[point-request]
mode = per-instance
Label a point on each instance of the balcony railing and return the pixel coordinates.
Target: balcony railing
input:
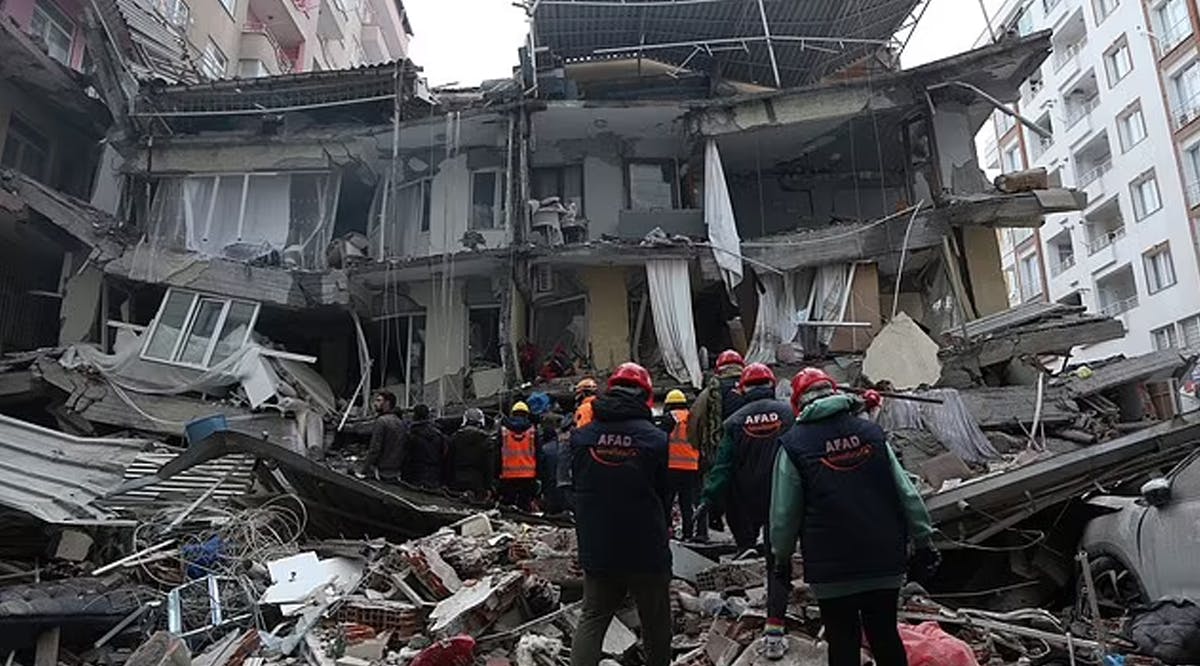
(1040, 145)
(1193, 193)
(1175, 33)
(1087, 177)
(1185, 111)
(1105, 239)
(1117, 307)
(1063, 265)
(1069, 54)
(285, 62)
(1077, 113)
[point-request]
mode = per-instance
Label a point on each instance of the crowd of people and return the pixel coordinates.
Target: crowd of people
(817, 472)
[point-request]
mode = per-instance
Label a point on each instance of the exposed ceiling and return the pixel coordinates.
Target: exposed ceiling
(810, 38)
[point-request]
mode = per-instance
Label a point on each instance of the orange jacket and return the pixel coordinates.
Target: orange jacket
(583, 413)
(518, 455)
(682, 455)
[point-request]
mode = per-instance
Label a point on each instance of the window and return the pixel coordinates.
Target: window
(1103, 8)
(1164, 338)
(1024, 23)
(25, 149)
(1131, 126)
(1160, 271)
(1012, 159)
(230, 6)
(252, 68)
(1117, 61)
(651, 186)
(1049, 5)
(198, 330)
(54, 28)
(1185, 91)
(1172, 23)
(1004, 122)
(1031, 279)
(175, 12)
(565, 182)
(413, 202)
(487, 199)
(213, 62)
(1145, 196)
(1190, 332)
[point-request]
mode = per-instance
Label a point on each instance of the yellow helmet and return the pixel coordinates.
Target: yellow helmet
(675, 397)
(520, 408)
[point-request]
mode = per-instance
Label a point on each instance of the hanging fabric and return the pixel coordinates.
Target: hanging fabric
(671, 303)
(827, 301)
(776, 321)
(718, 218)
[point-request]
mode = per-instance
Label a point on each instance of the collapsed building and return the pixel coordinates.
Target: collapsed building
(273, 250)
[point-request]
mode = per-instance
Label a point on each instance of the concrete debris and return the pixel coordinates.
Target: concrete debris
(903, 355)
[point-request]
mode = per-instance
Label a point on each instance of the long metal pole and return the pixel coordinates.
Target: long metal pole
(762, 13)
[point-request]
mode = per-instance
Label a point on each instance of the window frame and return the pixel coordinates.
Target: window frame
(1170, 333)
(54, 17)
(207, 60)
(499, 201)
(1183, 330)
(1119, 46)
(1101, 10)
(1027, 288)
(1139, 211)
(230, 7)
(560, 171)
(1155, 278)
(22, 134)
(676, 193)
(1126, 114)
(189, 321)
(1015, 150)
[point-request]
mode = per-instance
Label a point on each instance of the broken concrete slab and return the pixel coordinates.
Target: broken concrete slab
(73, 545)
(1012, 406)
(903, 355)
(1164, 364)
(618, 639)
(687, 563)
(476, 605)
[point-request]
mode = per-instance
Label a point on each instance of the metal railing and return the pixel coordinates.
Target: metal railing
(282, 59)
(1193, 193)
(1069, 54)
(1172, 35)
(1063, 265)
(176, 12)
(1185, 111)
(1118, 307)
(1077, 113)
(1089, 176)
(1105, 239)
(1039, 146)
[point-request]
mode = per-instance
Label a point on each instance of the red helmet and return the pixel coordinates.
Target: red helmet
(756, 373)
(729, 357)
(632, 374)
(807, 380)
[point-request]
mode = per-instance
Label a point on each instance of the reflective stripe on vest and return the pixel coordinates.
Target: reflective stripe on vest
(583, 413)
(682, 455)
(517, 456)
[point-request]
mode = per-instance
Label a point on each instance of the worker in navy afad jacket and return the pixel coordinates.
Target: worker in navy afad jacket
(838, 486)
(619, 472)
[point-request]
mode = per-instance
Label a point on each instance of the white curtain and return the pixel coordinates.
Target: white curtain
(718, 217)
(828, 298)
(776, 321)
(671, 300)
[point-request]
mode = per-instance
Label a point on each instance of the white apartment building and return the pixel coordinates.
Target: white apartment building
(1121, 85)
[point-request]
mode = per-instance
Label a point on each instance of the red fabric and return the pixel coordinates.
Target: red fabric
(928, 645)
(756, 373)
(457, 651)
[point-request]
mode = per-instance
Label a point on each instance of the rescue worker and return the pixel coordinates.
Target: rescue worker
(518, 458)
(549, 455)
(585, 395)
(619, 464)
(683, 463)
(425, 464)
(838, 486)
(389, 434)
(717, 402)
(470, 461)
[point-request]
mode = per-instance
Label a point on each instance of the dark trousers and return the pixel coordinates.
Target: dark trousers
(847, 618)
(604, 595)
(518, 492)
(683, 485)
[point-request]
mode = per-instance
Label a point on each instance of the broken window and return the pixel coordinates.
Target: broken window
(651, 186)
(213, 61)
(487, 199)
(25, 149)
(484, 331)
(564, 182)
(398, 342)
(247, 216)
(1164, 338)
(198, 330)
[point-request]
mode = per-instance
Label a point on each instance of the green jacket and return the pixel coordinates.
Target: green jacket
(787, 505)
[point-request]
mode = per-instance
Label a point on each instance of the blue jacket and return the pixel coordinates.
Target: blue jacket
(619, 467)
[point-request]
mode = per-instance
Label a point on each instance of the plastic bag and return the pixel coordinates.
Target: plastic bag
(928, 645)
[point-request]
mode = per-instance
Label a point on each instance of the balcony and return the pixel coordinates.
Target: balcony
(1061, 266)
(286, 20)
(1091, 175)
(1193, 194)
(1185, 111)
(1117, 292)
(373, 44)
(1077, 113)
(1119, 307)
(1068, 57)
(1038, 145)
(1174, 34)
(332, 19)
(258, 43)
(1105, 239)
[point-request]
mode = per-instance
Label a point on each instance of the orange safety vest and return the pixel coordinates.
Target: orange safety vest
(682, 455)
(518, 460)
(583, 413)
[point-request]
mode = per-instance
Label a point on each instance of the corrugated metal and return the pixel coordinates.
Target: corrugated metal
(578, 31)
(58, 477)
(237, 471)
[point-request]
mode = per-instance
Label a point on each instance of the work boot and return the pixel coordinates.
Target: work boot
(774, 646)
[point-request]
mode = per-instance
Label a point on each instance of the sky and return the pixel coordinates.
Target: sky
(462, 42)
